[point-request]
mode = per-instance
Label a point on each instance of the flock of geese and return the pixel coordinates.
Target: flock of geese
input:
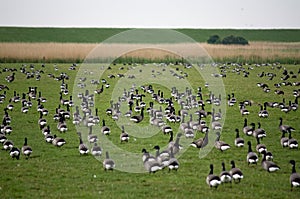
(190, 104)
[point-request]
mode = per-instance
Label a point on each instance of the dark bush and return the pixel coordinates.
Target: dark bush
(214, 39)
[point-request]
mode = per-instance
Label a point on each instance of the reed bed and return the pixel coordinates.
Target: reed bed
(65, 52)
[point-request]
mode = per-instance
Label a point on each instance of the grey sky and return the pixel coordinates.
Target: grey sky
(152, 13)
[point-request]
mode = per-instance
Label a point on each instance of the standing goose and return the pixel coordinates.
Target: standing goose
(201, 142)
(83, 149)
(162, 157)
(138, 118)
(42, 121)
(26, 150)
(268, 165)
(221, 145)
(239, 142)
(294, 177)
(225, 175)
(15, 153)
(57, 141)
(92, 138)
(108, 164)
(248, 130)
(124, 136)
(8, 144)
(260, 148)
(284, 140)
(236, 173)
(292, 142)
(212, 180)
(173, 163)
(216, 125)
(259, 132)
(174, 144)
(10, 78)
(283, 127)
(105, 129)
(252, 157)
(96, 150)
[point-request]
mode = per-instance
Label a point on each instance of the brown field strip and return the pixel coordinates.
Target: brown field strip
(69, 51)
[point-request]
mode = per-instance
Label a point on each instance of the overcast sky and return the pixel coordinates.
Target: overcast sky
(152, 13)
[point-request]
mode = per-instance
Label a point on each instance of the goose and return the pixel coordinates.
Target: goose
(294, 177)
(284, 140)
(96, 150)
(42, 121)
(124, 136)
(15, 153)
(173, 163)
(292, 142)
(238, 141)
(221, 145)
(174, 144)
(269, 155)
(283, 127)
(91, 137)
(62, 126)
(268, 165)
(252, 157)
(147, 156)
(215, 124)
(108, 163)
(243, 109)
(201, 142)
(162, 157)
(236, 173)
(138, 118)
(263, 111)
(10, 78)
(57, 141)
(8, 145)
(49, 138)
(248, 130)
(26, 150)
(260, 148)
(42, 99)
(83, 149)
(259, 132)
(105, 129)
(3, 138)
(96, 118)
(189, 132)
(225, 176)
(212, 180)
(46, 130)
(166, 129)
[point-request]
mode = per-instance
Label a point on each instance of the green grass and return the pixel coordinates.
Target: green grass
(62, 173)
(97, 35)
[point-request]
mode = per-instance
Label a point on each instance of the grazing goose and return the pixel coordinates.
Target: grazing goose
(15, 153)
(225, 175)
(166, 129)
(243, 109)
(147, 156)
(221, 145)
(239, 142)
(292, 142)
(49, 138)
(268, 165)
(260, 148)
(284, 128)
(57, 141)
(173, 163)
(248, 130)
(284, 140)
(8, 145)
(124, 136)
(105, 129)
(83, 149)
(138, 118)
(10, 78)
(3, 138)
(26, 150)
(263, 111)
(201, 142)
(96, 150)
(108, 164)
(252, 157)
(212, 180)
(294, 177)
(236, 173)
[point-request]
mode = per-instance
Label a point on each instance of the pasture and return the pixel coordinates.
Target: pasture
(61, 172)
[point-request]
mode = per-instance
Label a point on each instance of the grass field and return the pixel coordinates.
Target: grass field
(53, 172)
(97, 35)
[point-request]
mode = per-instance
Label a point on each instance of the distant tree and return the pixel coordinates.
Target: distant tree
(214, 39)
(234, 40)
